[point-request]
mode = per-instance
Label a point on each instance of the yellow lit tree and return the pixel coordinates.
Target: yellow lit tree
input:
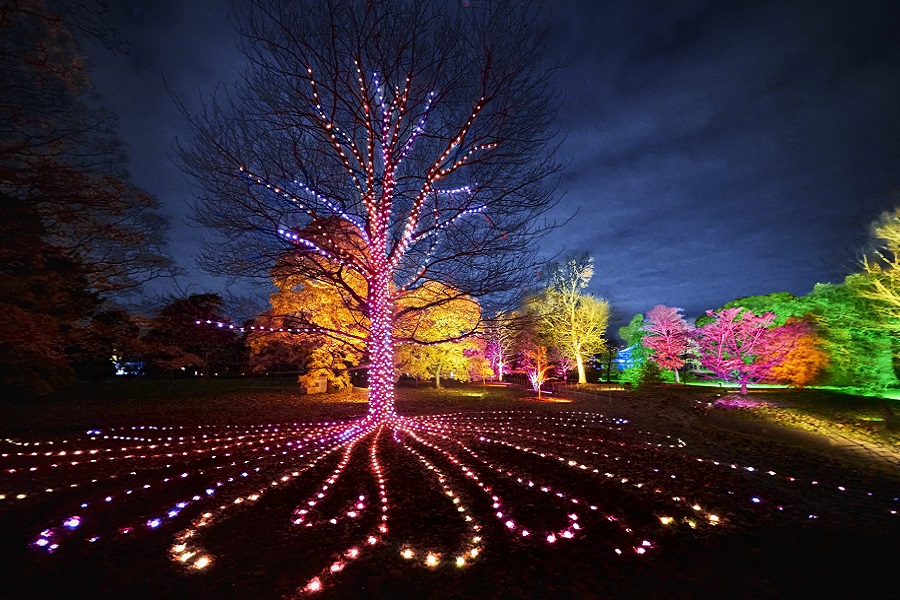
(882, 285)
(321, 317)
(431, 314)
(571, 321)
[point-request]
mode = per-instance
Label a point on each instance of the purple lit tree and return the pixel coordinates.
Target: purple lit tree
(667, 337)
(400, 141)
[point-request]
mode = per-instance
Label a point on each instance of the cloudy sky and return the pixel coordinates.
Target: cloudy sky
(715, 149)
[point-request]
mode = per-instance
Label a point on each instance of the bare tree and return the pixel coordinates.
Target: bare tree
(403, 141)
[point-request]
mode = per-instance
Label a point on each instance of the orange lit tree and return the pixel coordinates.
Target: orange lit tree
(804, 363)
(422, 128)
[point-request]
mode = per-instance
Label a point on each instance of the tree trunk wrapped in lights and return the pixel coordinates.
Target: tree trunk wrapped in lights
(405, 142)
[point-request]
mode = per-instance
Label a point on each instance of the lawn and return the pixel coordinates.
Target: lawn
(668, 505)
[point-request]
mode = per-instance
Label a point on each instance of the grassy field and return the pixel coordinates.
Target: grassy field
(792, 520)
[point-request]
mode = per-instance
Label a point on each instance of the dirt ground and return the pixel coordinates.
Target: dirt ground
(794, 516)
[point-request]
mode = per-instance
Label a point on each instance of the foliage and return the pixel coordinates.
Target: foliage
(804, 363)
(667, 338)
(782, 304)
(60, 153)
(859, 351)
(743, 347)
(571, 321)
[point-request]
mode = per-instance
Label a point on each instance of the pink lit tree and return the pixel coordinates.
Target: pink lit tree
(742, 347)
(401, 142)
(667, 337)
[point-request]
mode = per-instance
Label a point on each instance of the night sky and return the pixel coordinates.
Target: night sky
(715, 149)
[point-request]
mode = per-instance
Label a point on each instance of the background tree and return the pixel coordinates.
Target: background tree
(43, 303)
(80, 232)
(742, 347)
(174, 340)
(804, 363)
(60, 153)
(500, 334)
(422, 128)
(533, 360)
(667, 337)
(632, 335)
(570, 320)
(431, 314)
(479, 365)
(328, 331)
(882, 286)
(860, 351)
(435, 361)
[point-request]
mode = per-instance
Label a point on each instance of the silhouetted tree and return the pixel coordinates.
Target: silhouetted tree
(176, 340)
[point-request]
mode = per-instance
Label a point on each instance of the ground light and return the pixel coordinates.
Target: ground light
(480, 464)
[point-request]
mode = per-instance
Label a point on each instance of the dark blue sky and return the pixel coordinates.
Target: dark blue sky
(716, 149)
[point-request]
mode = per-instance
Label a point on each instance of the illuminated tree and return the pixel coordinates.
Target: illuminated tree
(667, 337)
(422, 128)
(782, 304)
(561, 367)
(805, 361)
(533, 360)
(432, 362)
(500, 334)
(327, 334)
(424, 317)
(882, 285)
(480, 368)
(633, 335)
(570, 320)
(858, 346)
(742, 347)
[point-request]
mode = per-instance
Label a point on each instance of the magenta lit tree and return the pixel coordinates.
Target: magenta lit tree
(500, 336)
(403, 142)
(742, 347)
(667, 337)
